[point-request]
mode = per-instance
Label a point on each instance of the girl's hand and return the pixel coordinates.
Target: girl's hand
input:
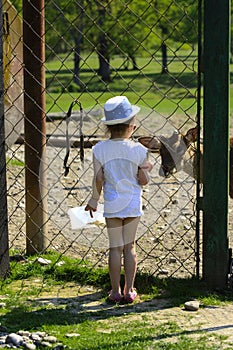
(143, 173)
(148, 166)
(91, 209)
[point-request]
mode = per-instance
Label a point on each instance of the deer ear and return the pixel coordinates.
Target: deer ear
(191, 135)
(175, 136)
(152, 143)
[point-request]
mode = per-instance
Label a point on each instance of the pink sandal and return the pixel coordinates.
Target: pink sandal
(114, 297)
(130, 297)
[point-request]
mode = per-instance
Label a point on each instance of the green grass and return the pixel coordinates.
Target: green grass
(15, 162)
(67, 294)
(165, 93)
(172, 95)
(82, 272)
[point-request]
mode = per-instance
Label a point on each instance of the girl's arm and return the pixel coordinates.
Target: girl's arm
(97, 184)
(143, 173)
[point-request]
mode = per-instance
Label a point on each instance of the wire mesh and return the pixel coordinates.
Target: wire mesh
(146, 50)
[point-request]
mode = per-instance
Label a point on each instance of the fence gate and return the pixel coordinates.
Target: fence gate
(146, 50)
(216, 143)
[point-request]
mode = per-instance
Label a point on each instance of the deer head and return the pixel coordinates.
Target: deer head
(174, 150)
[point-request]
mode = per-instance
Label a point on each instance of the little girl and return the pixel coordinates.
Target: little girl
(121, 168)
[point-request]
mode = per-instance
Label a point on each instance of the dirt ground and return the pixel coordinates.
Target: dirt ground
(166, 234)
(210, 321)
(166, 241)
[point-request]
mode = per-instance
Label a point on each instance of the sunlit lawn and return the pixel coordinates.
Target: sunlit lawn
(165, 93)
(55, 299)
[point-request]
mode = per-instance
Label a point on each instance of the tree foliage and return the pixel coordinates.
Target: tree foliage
(136, 27)
(113, 27)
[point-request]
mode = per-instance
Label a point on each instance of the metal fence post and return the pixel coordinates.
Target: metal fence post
(35, 125)
(4, 245)
(216, 142)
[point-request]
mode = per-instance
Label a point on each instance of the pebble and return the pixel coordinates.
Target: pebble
(28, 340)
(156, 239)
(14, 339)
(35, 337)
(24, 333)
(192, 305)
(163, 272)
(59, 347)
(166, 212)
(41, 334)
(50, 339)
(29, 346)
(43, 261)
(46, 344)
(71, 335)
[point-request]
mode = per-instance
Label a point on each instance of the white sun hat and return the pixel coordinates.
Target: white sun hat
(118, 110)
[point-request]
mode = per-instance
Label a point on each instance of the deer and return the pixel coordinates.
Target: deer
(178, 152)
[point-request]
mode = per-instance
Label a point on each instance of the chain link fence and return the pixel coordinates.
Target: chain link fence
(146, 50)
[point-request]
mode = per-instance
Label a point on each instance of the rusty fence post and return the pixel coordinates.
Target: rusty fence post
(4, 243)
(35, 125)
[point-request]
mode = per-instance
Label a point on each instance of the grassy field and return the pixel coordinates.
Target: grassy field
(168, 94)
(70, 299)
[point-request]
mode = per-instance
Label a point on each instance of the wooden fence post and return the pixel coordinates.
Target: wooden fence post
(35, 125)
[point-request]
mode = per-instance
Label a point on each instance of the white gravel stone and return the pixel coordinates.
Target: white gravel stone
(43, 261)
(192, 305)
(14, 339)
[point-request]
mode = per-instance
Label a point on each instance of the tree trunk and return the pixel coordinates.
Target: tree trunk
(78, 37)
(133, 59)
(103, 54)
(164, 50)
(104, 69)
(164, 58)
(77, 60)
(104, 66)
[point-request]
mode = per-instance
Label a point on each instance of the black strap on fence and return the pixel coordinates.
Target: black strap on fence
(67, 118)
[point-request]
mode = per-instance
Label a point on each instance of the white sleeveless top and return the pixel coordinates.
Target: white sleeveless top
(120, 160)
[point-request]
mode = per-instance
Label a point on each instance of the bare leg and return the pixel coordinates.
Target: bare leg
(114, 264)
(116, 245)
(130, 259)
(130, 266)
